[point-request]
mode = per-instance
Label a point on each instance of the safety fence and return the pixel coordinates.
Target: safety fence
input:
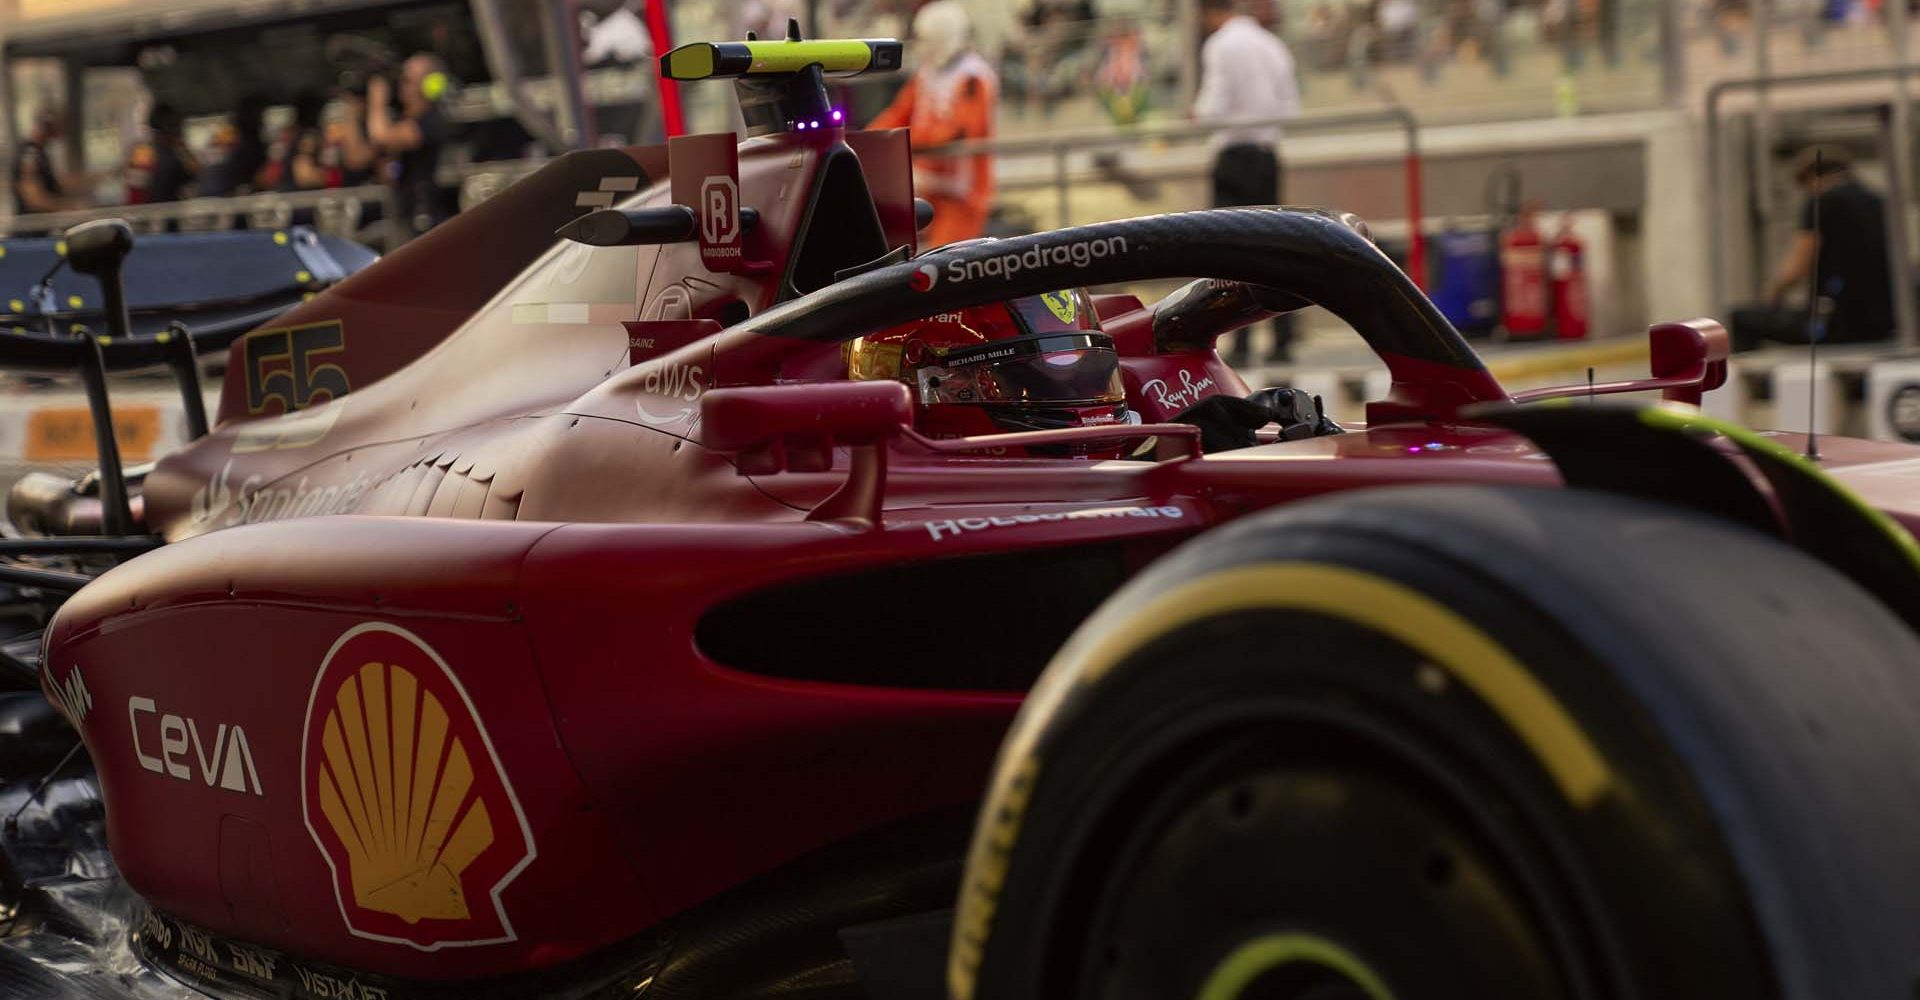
(1074, 157)
(348, 212)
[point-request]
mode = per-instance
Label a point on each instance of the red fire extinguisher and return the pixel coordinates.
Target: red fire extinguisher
(1567, 284)
(1523, 278)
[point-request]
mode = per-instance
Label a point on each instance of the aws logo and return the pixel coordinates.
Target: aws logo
(406, 798)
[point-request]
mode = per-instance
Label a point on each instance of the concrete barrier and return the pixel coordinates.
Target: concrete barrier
(54, 427)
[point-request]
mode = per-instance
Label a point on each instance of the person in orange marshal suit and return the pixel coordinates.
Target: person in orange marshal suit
(951, 97)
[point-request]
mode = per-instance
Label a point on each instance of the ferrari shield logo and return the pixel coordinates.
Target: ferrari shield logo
(405, 797)
(1061, 305)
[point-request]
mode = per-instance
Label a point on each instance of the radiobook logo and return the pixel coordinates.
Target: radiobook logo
(1004, 266)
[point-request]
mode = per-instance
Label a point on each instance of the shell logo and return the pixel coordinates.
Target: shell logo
(406, 798)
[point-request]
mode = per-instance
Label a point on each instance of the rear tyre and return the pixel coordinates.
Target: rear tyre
(1461, 742)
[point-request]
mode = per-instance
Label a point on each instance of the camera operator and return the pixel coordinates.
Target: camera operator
(414, 140)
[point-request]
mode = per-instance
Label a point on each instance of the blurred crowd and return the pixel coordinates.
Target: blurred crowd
(391, 130)
(1128, 55)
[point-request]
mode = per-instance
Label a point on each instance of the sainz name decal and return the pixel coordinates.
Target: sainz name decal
(1004, 266)
(955, 527)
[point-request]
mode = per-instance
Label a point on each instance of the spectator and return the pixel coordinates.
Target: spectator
(767, 19)
(1842, 244)
(161, 167)
(414, 140)
(620, 38)
(1399, 28)
(347, 156)
(951, 98)
(1122, 81)
(36, 186)
(293, 162)
(240, 152)
(1246, 74)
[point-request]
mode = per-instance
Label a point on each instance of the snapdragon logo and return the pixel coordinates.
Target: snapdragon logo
(1006, 265)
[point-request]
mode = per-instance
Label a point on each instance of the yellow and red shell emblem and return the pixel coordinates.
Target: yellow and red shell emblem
(406, 798)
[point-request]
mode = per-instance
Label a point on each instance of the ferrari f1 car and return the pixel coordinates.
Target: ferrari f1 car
(722, 600)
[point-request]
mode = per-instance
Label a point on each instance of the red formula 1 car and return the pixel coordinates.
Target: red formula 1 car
(662, 611)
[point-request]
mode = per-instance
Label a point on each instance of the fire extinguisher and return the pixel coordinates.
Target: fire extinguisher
(1523, 274)
(1567, 284)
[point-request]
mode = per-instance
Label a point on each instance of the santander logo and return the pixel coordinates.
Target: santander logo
(924, 277)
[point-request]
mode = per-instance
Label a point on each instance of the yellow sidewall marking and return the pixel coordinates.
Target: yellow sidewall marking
(1397, 611)
(987, 860)
(1246, 963)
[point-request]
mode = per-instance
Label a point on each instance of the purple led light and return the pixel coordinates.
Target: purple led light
(799, 126)
(813, 124)
(837, 115)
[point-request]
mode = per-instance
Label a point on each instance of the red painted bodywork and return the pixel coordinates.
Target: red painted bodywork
(541, 512)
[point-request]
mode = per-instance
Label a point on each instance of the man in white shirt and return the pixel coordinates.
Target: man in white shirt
(1246, 74)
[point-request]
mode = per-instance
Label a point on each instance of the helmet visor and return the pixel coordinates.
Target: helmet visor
(1049, 370)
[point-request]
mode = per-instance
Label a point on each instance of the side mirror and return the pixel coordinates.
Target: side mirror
(795, 428)
(1688, 360)
(1692, 354)
(98, 248)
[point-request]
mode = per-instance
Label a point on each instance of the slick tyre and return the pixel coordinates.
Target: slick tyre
(1461, 742)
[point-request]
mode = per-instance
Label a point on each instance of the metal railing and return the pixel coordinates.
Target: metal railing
(1059, 146)
(337, 210)
(1895, 146)
(261, 211)
(275, 209)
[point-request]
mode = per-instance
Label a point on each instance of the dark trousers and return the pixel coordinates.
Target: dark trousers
(1249, 174)
(1754, 325)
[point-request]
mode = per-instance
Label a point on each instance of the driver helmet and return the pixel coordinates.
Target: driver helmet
(1034, 363)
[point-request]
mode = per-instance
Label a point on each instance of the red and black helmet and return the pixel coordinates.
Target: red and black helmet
(1034, 363)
